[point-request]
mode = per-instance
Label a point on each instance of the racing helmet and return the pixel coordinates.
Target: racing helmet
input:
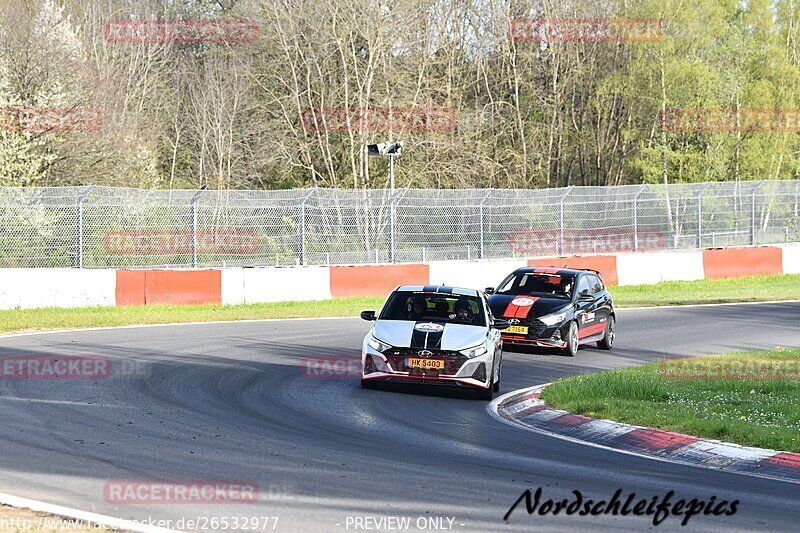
(414, 300)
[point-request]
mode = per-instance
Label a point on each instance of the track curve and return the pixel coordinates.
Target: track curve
(229, 402)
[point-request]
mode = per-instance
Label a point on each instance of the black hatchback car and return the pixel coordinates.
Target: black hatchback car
(551, 307)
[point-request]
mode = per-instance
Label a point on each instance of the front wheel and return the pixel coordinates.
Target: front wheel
(368, 384)
(608, 339)
(572, 341)
(487, 393)
(496, 386)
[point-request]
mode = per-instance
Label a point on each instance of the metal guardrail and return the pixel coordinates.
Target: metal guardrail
(95, 227)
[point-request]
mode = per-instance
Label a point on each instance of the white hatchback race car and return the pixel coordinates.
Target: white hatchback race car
(434, 335)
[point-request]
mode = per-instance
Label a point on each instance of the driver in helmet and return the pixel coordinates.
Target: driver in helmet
(415, 307)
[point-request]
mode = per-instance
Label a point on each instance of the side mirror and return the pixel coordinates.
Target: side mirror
(585, 297)
(489, 290)
(500, 323)
(368, 315)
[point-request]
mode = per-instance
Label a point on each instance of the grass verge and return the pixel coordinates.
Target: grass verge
(757, 288)
(747, 398)
(749, 289)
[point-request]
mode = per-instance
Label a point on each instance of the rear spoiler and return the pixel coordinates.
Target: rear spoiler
(586, 269)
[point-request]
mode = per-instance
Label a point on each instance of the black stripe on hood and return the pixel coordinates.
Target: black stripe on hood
(437, 288)
(421, 340)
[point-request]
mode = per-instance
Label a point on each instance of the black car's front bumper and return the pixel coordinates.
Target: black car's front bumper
(538, 334)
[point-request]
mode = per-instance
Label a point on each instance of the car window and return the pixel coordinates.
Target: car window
(436, 307)
(584, 285)
(538, 284)
(597, 285)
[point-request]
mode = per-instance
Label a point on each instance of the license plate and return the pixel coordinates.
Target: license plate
(432, 364)
(522, 330)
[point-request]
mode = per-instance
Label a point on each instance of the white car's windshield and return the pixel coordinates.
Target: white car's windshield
(438, 307)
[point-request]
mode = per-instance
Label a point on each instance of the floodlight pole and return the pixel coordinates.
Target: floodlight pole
(391, 174)
(79, 232)
(193, 222)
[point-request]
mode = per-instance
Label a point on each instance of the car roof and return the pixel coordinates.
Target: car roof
(440, 289)
(556, 271)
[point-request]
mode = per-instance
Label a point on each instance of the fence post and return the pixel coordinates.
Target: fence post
(560, 244)
(79, 232)
(392, 216)
(193, 221)
(480, 222)
(753, 212)
(303, 224)
(700, 215)
(636, 217)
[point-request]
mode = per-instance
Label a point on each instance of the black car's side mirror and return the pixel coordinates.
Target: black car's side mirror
(489, 290)
(500, 323)
(368, 315)
(585, 297)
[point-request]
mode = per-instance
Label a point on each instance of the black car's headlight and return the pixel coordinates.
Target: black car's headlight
(554, 318)
(378, 345)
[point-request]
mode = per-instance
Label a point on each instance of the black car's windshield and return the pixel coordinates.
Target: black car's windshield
(436, 307)
(536, 284)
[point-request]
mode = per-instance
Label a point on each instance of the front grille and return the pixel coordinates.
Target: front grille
(453, 361)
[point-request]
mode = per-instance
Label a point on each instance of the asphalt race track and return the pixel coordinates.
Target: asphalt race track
(230, 402)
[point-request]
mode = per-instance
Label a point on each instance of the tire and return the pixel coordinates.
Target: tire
(367, 384)
(488, 393)
(572, 341)
(607, 342)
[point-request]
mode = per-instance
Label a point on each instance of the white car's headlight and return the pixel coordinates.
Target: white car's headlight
(475, 351)
(555, 318)
(380, 346)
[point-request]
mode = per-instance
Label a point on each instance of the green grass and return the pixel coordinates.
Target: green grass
(750, 289)
(667, 293)
(59, 318)
(700, 399)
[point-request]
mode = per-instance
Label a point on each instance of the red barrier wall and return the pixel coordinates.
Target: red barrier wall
(130, 287)
(738, 262)
(171, 287)
(375, 280)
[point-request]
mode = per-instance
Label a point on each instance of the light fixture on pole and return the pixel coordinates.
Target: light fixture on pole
(390, 150)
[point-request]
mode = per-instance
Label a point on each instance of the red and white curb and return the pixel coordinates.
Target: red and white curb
(525, 408)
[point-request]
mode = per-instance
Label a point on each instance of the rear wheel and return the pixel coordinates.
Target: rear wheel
(572, 341)
(608, 339)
